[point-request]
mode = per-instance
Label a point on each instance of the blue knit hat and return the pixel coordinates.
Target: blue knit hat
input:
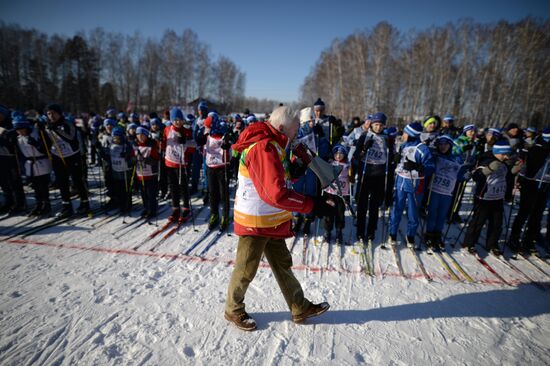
(379, 118)
(55, 107)
(413, 129)
(121, 115)
(203, 105)
(20, 121)
(109, 122)
(176, 113)
(449, 117)
(111, 113)
(469, 127)
(495, 132)
(117, 131)
(546, 134)
(142, 131)
(190, 118)
(390, 131)
(444, 138)
(502, 146)
(131, 126)
(251, 119)
(531, 129)
(338, 148)
(134, 117)
(156, 122)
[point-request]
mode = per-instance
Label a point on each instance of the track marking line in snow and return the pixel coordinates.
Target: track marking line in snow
(177, 256)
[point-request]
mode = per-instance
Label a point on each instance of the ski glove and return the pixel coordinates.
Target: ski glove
(323, 206)
(368, 144)
(410, 165)
(302, 152)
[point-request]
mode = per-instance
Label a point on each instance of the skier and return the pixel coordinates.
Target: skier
(490, 178)
(534, 183)
(37, 165)
(262, 214)
(217, 145)
(373, 152)
(120, 152)
(10, 179)
(146, 152)
(337, 218)
(442, 183)
(467, 148)
(416, 164)
(332, 128)
(63, 142)
(198, 159)
(448, 128)
(173, 147)
(104, 142)
(431, 130)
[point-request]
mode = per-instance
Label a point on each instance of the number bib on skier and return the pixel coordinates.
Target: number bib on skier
(214, 152)
(496, 184)
(60, 147)
(408, 153)
(343, 179)
(444, 180)
(377, 154)
(118, 163)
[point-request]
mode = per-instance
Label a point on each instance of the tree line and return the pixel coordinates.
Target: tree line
(488, 74)
(92, 71)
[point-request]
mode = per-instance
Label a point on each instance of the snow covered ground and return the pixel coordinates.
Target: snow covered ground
(74, 294)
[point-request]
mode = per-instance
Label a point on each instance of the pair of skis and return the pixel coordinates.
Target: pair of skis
(213, 240)
(365, 251)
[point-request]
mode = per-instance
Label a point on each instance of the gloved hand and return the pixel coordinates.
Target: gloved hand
(410, 165)
(226, 145)
(467, 175)
(296, 170)
(493, 165)
(397, 158)
(179, 138)
(368, 144)
(323, 206)
(302, 152)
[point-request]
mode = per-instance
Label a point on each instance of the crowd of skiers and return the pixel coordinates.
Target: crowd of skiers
(424, 169)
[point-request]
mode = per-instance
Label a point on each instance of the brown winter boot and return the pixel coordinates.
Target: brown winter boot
(313, 310)
(242, 321)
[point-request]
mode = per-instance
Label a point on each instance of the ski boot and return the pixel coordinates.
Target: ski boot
(46, 209)
(144, 213)
(84, 208)
(307, 226)
(496, 252)
(66, 211)
(224, 223)
(35, 212)
(185, 214)
(213, 221)
(430, 242)
(391, 242)
(175, 214)
(327, 237)
(438, 241)
(297, 223)
(339, 237)
(410, 242)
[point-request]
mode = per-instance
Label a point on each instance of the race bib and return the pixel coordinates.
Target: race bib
(445, 177)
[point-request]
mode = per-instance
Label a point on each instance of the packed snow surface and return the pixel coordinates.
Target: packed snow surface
(79, 294)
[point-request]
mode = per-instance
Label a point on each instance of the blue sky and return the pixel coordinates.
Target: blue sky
(276, 43)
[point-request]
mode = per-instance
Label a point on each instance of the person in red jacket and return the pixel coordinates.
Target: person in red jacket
(146, 152)
(173, 145)
(262, 217)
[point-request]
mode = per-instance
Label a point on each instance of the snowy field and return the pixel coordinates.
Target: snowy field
(78, 294)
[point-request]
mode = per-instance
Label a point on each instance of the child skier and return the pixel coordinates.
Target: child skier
(120, 153)
(37, 164)
(440, 194)
(490, 178)
(217, 154)
(415, 164)
(173, 146)
(340, 154)
(373, 152)
(147, 156)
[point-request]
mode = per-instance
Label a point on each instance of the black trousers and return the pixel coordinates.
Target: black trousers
(71, 168)
(532, 202)
(490, 211)
(338, 219)
(10, 181)
(177, 179)
(370, 194)
(122, 192)
(149, 191)
(41, 186)
(218, 190)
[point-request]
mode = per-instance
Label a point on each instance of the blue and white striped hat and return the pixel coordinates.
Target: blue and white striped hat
(495, 131)
(413, 129)
(469, 128)
(502, 147)
(546, 134)
(531, 129)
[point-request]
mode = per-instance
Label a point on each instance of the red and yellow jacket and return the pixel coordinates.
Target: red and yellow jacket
(263, 202)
